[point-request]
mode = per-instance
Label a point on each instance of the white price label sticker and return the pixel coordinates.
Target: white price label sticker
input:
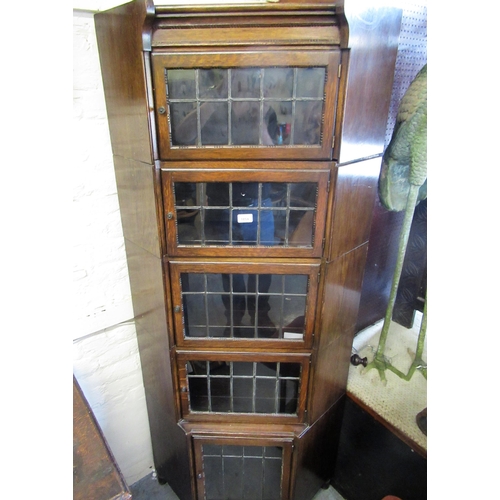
(294, 336)
(245, 218)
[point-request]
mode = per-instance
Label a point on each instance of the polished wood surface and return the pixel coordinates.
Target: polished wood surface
(371, 33)
(356, 190)
(119, 34)
(138, 42)
(210, 174)
(311, 270)
(170, 447)
(331, 354)
(316, 449)
(136, 184)
(95, 472)
(262, 58)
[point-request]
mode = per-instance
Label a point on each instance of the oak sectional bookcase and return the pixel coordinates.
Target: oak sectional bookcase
(246, 141)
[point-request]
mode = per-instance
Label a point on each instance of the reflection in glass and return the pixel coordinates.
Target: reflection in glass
(275, 106)
(246, 213)
(222, 387)
(278, 82)
(267, 306)
(242, 472)
(310, 82)
(181, 83)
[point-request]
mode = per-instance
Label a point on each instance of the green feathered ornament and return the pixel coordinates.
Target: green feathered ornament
(402, 184)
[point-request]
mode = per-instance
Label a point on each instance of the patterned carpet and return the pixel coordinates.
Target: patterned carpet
(395, 402)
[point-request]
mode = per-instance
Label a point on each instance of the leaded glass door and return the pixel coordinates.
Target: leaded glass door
(241, 304)
(242, 387)
(236, 468)
(268, 104)
(244, 212)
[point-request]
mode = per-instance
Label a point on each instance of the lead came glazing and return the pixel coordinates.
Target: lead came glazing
(277, 106)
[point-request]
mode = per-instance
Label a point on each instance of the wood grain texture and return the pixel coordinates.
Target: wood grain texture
(260, 267)
(288, 33)
(331, 354)
(356, 189)
(260, 58)
(211, 174)
(372, 38)
(119, 34)
(170, 445)
(316, 448)
(136, 186)
(95, 472)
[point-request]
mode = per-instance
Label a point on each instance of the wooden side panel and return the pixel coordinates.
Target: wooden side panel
(170, 444)
(372, 39)
(95, 472)
(331, 356)
(136, 193)
(119, 35)
(355, 193)
(316, 452)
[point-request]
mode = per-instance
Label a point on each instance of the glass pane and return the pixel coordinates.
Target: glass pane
(272, 480)
(243, 305)
(308, 116)
(215, 130)
(242, 368)
(194, 311)
(300, 228)
(245, 118)
(303, 194)
(243, 390)
(252, 479)
(294, 307)
(288, 396)
(185, 194)
(218, 304)
(266, 369)
(246, 213)
(216, 227)
(220, 394)
(215, 283)
(265, 400)
(310, 82)
(214, 486)
(198, 394)
(278, 82)
(245, 194)
(289, 100)
(278, 122)
(181, 83)
(273, 451)
(276, 285)
(233, 388)
(183, 119)
(245, 82)
(213, 83)
(232, 477)
(217, 194)
(252, 474)
(191, 282)
(296, 283)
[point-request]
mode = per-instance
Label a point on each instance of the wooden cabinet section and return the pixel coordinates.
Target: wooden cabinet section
(242, 468)
(259, 305)
(245, 213)
(243, 387)
(246, 301)
(246, 105)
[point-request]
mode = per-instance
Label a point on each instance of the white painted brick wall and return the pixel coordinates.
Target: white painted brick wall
(106, 360)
